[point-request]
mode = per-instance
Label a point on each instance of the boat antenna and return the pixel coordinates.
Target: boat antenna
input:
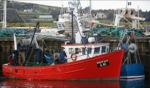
(30, 46)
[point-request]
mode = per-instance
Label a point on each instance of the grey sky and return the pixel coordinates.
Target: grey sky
(97, 4)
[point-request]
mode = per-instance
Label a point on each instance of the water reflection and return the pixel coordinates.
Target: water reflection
(132, 83)
(72, 84)
(58, 84)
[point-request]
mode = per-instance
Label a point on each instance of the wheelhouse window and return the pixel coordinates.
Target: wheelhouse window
(96, 50)
(71, 50)
(89, 50)
(76, 50)
(103, 49)
(83, 51)
(107, 49)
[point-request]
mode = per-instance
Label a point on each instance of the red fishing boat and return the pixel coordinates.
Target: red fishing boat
(86, 59)
(106, 66)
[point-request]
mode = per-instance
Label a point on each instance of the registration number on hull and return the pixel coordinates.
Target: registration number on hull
(103, 63)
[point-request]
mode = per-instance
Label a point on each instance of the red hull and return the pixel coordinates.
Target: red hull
(106, 66)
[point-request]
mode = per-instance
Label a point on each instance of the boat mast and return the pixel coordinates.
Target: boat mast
(138, 20)
(90, 11)
(73, 41)
(30, 45)
(62, 9)
(15, 42)
(126, 4)
(4, 14)
(74, 6)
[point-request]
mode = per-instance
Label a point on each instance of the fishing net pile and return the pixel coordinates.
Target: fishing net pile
(8, 32)
(101, 30)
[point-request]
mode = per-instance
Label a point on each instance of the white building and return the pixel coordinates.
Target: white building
(99, 15)
(28, 10)
(45, 16)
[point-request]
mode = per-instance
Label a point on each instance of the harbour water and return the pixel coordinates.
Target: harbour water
(11, 83)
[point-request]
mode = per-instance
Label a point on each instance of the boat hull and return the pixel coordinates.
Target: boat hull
(106, 66)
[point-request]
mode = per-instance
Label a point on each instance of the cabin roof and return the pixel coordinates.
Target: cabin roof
(93, 44)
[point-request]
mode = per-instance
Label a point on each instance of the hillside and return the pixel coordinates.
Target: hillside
(26, 12)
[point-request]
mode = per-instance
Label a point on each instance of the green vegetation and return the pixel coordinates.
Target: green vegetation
(46, 24)
(29, 25)
(128, 24)
(145, 23)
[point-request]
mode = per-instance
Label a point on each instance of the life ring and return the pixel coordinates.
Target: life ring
(73, 57)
